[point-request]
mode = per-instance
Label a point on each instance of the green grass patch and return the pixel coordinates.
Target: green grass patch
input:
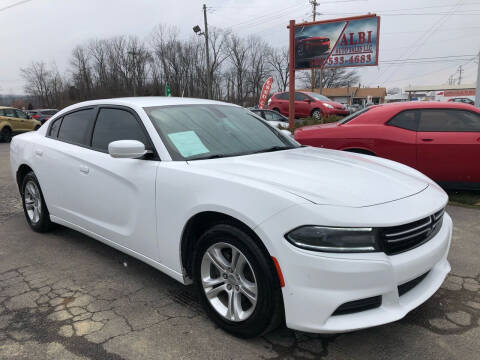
(311, 121)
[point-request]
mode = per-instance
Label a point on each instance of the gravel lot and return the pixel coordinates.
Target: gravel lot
(66, 296)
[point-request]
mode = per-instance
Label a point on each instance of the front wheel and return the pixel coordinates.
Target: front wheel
(317, 114)
(237, 286)
(34, 206)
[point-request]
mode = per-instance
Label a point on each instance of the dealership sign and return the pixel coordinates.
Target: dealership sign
(337, 43)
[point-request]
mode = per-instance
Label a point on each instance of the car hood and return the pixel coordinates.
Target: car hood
(324, 176)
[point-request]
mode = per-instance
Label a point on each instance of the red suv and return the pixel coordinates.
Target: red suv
(307, 104)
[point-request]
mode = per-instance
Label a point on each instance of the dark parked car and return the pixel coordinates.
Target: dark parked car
(462, 100)
(42, 115)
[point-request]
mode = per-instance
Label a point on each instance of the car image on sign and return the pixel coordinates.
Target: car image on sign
(267, 230)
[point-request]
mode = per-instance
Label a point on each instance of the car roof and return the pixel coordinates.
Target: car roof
(43, 110)
(424, 105)
(6, 107)
(147, 101)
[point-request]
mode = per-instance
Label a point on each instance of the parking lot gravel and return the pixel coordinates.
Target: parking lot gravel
(66, 296)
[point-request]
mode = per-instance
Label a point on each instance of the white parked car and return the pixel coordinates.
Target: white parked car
(267, 230)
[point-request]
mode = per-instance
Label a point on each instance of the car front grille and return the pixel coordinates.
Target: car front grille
(397, 239)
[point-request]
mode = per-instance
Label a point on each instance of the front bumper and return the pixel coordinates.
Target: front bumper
(317, 284)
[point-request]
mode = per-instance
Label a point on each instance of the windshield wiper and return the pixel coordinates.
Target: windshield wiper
(216, 156)
(274, 148)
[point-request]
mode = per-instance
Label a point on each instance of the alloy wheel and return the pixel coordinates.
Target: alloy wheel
(33, 202)
(229, 282)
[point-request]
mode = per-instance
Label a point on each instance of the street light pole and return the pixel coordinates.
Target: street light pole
(477, 91)
(207, 54)
(134, 54)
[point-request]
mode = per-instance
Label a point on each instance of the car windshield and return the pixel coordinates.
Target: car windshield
(353, 116)
(318, 96)
(194, 132)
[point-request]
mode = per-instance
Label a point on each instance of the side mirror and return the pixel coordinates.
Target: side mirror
(286, 132)
(126, 149)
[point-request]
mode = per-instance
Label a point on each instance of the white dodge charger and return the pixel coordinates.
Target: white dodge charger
(267, 230)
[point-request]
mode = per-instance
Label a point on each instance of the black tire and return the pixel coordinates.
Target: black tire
(43, 224)
(37, 127)
(268, 311)
(317, 114)
(277, 110)
(6, 135)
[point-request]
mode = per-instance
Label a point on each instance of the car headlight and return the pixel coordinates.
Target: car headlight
(333, 239)
(328, 106)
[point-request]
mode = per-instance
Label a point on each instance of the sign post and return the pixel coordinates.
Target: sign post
(291, 79)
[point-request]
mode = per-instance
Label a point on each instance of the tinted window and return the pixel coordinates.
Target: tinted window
(10, 112)
(448, 120)
(272, 115)
(259, 113)
(405, 120)
(49, 112)
(54, 128)
(115, 124)
(2, 112)
(75, 127)
(282, 96)
(21, 114)
(300, 96)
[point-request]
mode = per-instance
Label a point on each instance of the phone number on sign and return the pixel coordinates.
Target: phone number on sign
(354, 59)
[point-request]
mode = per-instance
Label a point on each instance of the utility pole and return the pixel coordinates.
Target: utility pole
(477, 91)
(207, 54)
(460, 70)
(134, 54)
(314, 4)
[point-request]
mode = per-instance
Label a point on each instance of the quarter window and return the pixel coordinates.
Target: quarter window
(75, 127)
(405, 120)
(449, 120)
(54, 128)
(113, 125)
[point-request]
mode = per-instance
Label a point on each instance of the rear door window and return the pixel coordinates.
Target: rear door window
(75, 127)
(282, 96)
(116, 124)
(448, 120)
(405, 120)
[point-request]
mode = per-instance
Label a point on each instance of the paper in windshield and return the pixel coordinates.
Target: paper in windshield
(188, 143)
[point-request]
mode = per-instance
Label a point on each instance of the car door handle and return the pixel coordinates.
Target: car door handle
(427, 139)
(84, 169)
(38, 152)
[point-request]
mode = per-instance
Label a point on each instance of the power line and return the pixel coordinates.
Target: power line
(423, 38)
(15, 4)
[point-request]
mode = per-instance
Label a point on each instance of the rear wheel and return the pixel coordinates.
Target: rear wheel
(237, 286)
(34, 206)
(6, 135)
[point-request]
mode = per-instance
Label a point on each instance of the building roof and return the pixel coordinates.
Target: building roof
(440, 87)
(373, 92)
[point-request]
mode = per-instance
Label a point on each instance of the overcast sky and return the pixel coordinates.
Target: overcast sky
(48, 30)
